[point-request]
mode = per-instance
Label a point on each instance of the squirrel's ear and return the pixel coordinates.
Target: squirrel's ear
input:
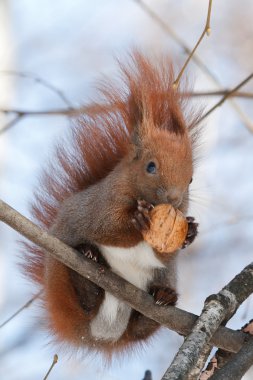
(136, 136)
(136, 116)
(136, 141)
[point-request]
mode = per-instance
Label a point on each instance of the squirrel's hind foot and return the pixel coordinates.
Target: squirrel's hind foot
(163, 296)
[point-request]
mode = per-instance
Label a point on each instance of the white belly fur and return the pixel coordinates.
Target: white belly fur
(136, 265)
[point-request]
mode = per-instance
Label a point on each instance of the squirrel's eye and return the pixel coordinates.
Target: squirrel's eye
(151, 167)
(190, 180)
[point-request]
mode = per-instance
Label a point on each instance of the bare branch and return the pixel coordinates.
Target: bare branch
(226, 96)
(238, 365)
(222, 357)
(199, 62)
(217, 308)
(70, 112)
(167, 29)
(171, 317)
(195, 372)
(25, 306)
(55, 360)
(207, 30)
(41, 81)
(73, 112)
(236, 94)
(12, 123)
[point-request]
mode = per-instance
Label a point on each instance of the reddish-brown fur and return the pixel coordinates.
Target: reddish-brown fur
(97, 143)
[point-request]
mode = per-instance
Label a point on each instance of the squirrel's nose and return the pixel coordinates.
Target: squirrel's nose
(174, 201)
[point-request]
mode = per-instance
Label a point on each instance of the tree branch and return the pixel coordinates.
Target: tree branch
(25, 306)
(238, 365)
(222, 357)
(74, 112)
(171, 317)
(195, 372)
(226, 96)
(55, 360)
(41, 81)
(12, 123)
(207, 31)
(199, 62)
(217, 308)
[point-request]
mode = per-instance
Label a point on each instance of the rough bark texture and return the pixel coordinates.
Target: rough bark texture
(217, 308)
(222, 357)
(194, 374)
(238, 365)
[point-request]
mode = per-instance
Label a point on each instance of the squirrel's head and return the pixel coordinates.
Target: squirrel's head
(162, 166)
(162, 135)
(149, 129)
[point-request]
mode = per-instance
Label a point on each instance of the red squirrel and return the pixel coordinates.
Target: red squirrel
(124, 157)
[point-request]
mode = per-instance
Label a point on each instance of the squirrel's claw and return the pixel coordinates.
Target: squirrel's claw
(141, 219)
(91, 255)
(88, 252)
(144, 206)
(192, 231)
(164, 296)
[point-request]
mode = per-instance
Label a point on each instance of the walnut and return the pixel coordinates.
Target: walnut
(168, 229)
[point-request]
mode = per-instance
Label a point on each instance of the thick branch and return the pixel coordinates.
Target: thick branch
(217, 308)
(222, 357)
(238, 365)
(171, 317)
(195, 372)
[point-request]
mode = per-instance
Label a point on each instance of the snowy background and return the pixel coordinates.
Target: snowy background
(71, 43)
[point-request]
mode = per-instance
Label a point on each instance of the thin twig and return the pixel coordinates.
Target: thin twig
(237, 94)
(55, 360)
(73, 112)
(90, 108)
(224, 98)
(199, 62)
(206, 31)
(12, 123)
(69, 112)
(171, 317)
(25, 306)
(167, 29)
(41, 81)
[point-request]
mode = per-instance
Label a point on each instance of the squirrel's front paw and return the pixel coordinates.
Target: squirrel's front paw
(163, 296)
(141, 219)
(192, 231)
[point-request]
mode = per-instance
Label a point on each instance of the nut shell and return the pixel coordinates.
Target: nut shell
(168, 229)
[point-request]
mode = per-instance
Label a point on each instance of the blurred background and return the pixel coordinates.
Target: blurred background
(70, 44)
